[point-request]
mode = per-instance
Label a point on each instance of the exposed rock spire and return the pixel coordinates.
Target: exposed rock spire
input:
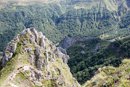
(30, 59)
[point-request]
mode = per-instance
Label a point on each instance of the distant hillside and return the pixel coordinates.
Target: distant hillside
(105, 18)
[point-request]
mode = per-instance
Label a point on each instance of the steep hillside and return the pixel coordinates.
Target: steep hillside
(89, 55)
(111, 76)
(107, 18)
(97, 34)
(31, 60)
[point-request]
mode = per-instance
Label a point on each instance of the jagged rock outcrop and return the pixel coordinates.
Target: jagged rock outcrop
(31, 60)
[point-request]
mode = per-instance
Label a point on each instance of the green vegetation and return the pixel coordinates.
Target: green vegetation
(57, 20)
(21, 76)
(49, 83)
(112, 76)
(86, 57)
(4, 72)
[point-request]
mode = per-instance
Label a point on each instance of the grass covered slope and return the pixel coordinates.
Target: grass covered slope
(87, 56)
(31, 60)
(111, 76)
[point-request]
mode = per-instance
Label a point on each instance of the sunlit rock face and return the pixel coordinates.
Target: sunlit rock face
(31, 60)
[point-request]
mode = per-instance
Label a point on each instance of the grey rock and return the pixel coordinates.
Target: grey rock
(33, 30)
(32, 59)
(42, 42)
(6, 57)
(38, 76)
(28, 50)
(25, 42)
(64, 57)
(37, 51)
(62, 50)
(11, 47)
(60, 80)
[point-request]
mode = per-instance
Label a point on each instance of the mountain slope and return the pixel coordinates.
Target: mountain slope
(31, 60)
(109, 18)
(87, 54)
(111, 76)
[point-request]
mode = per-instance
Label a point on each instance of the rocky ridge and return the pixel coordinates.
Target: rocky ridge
(31, 60)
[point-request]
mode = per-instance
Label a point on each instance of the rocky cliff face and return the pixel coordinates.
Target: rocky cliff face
(31, 60)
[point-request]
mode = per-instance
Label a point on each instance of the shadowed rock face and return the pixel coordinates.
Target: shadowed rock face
(30, 59)
(69, 41)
